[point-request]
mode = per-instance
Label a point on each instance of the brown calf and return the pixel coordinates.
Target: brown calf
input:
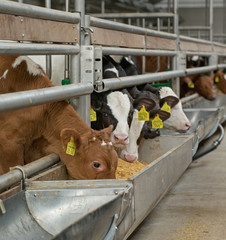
(31, 133)
(220, 80)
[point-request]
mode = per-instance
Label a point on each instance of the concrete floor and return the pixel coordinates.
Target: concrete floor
(195, 208)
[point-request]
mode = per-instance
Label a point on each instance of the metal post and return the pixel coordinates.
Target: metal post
(211, 21)
(176, 82)
(102, 6)
(66, 68)
(48, 57)
(84, 101)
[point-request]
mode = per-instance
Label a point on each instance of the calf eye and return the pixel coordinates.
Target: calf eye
(105, 114)
(96, 164)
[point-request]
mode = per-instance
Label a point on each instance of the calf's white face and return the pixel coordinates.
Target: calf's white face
(130, 152)
(178, 120)
(119, 104)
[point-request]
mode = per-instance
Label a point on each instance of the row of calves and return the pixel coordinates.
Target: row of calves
(88, 153)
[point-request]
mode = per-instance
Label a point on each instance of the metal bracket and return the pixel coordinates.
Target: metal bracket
(213, 60)
(181, 60)
(87, 64)
(21, 169)
(98, 74)
(86, 30)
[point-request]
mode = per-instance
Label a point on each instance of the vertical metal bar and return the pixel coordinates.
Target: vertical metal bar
(211, 21)
(84, 101)
(48, 57)
(20, 1)
(176, 81)
(129, 21)
(102, 6)
(66, 67)
(158, 24)
(143, 22)
(67, 5)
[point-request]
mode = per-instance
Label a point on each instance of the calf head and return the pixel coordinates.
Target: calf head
(178, 120)
(204, 87)
(93, 156)
(220, 80)
(113, 109)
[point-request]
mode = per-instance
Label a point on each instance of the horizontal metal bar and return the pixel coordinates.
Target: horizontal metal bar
(190, 71)
(136, 52)
(14, 48)
(189, 98)
(199, 53)
(27, 10)
(219, 44)
(221, 65)
(194, 28)
(103, 23)
(116, 83)
(190, 39)
(134, 15)
(14, 176)
(14, 101)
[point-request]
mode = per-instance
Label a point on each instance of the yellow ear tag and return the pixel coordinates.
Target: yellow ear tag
(93, 115)
(191, 84)
(166, 108)
(217, 79)
(71, 147)
(143, 115)
(157, 122)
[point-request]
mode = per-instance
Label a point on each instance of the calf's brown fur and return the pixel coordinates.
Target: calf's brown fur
(28, 134)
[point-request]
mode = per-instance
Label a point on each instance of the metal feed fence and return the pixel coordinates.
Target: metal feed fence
(86, 39)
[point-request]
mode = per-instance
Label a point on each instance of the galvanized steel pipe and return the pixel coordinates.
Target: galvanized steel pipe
(27, 10)
(13, 48)
(14, 176)
(136, 52)
(116, 83)
(102, 23)
(24, 99)
(134, 15)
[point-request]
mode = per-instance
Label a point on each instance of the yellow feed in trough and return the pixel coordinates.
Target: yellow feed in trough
(126, 170)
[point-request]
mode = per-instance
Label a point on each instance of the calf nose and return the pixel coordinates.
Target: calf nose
(121, 138)
(211, 98)
(188, 125)
(130, 158)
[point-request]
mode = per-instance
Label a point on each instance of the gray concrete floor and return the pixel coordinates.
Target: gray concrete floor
(195, 208)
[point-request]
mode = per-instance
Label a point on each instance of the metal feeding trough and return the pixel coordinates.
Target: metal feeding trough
(97, 209)
(52, 207)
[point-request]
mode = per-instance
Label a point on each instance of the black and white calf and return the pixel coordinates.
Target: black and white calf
(112, 108)
(176, 121)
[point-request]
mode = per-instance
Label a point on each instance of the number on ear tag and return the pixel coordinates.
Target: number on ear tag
(191, 84)
(143, 115)
(157, 122)
(93, 115)
(166, 108)
(71, 147)
(217, 79)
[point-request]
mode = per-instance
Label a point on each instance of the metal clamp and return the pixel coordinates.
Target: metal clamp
(86, 30)
(21, 169)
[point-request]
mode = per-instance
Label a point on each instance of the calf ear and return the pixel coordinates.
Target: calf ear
(171, 101)
(147, 102)
(108, 130)
(67, 134)
(163, 115)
